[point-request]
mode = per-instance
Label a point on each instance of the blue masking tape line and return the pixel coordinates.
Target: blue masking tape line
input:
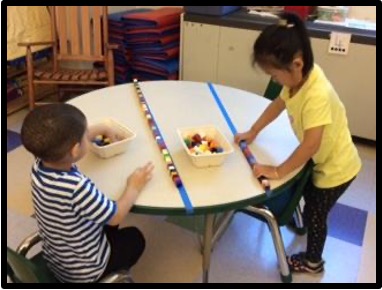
(222, 109)
(182, 190)
(155, 129)
(243, 145)
(186, 200)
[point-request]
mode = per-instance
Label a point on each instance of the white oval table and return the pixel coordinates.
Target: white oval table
(177, 104)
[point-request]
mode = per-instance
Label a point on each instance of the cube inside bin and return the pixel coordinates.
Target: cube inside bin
(125, 135)
(211, 131)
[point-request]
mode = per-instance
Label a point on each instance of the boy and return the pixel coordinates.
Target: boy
(77, 222)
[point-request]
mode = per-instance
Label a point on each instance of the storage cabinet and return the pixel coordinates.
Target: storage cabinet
(223, 54)
(199, 52)
(235, 67)
(354, 78)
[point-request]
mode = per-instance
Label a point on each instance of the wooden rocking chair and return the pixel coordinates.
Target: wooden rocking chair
(79, 34)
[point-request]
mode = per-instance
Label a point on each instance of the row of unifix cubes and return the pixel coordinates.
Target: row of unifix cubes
(252, 161)
(158, 137)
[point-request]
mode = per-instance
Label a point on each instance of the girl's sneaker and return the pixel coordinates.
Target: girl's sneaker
(299, 264)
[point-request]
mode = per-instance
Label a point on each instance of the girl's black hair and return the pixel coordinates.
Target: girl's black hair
(279, 44)
(50, 131)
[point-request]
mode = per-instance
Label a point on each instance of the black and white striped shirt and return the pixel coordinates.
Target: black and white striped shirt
(71, 213)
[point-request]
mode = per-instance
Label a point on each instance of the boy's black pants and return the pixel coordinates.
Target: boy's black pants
(127, 245)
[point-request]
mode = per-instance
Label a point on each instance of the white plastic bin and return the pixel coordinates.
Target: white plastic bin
(211, 131)
(124, 134)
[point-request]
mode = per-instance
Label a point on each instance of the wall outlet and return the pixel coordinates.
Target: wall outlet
(339, 43)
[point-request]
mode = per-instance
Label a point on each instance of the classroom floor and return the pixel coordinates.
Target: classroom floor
(245, 253)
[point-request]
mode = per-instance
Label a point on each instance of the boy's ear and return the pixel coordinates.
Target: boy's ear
(75, 150)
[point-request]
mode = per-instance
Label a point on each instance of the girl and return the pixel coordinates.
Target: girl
(318, 119)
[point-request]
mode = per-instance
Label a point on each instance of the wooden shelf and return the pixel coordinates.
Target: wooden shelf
(21, 103)
(14, 72)
(19, 73)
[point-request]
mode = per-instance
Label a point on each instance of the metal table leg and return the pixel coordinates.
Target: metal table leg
(221, 226)
(208, 224)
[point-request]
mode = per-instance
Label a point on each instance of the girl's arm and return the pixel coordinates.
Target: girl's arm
(273, 110)
(308, 147)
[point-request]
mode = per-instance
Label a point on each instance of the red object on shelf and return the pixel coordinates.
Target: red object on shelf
(302, 11)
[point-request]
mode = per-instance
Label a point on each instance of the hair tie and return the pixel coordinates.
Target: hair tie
(284, 23)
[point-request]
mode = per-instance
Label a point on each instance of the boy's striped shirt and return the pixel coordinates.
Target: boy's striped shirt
(71, 213)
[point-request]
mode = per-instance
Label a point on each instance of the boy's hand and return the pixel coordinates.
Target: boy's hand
(140, 177)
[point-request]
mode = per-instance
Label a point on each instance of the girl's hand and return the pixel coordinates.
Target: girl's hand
(267, 171)
(248, 136)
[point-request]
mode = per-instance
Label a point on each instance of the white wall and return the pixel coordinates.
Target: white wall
(363, 13)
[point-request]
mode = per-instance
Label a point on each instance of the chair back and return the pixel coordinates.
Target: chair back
(283, 204)
(80, 32)
(22, 270)
(273, 90)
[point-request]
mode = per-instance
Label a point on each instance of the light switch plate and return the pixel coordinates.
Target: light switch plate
(339, 43)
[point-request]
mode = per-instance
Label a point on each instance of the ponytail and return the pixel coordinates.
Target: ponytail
(278, 44)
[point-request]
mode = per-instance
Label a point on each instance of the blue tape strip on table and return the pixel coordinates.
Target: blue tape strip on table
(187, 203)
(243, 145)
(156, 131)
(222, 109)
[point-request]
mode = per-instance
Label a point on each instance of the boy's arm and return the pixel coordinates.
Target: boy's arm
(124, 204)
(135, 183)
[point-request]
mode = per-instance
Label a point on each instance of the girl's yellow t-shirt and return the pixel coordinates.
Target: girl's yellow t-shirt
(316, 104)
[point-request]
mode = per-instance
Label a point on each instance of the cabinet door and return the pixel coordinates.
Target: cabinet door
(353, 76)
(199, 52)
(235, 61)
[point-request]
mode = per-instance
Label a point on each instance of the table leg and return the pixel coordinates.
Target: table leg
(221, 226)
(208, 224)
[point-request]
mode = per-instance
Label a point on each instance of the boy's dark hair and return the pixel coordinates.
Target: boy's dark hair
(278, 44)
(50, 131)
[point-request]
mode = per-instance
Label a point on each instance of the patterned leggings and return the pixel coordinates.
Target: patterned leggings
(318, 203)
